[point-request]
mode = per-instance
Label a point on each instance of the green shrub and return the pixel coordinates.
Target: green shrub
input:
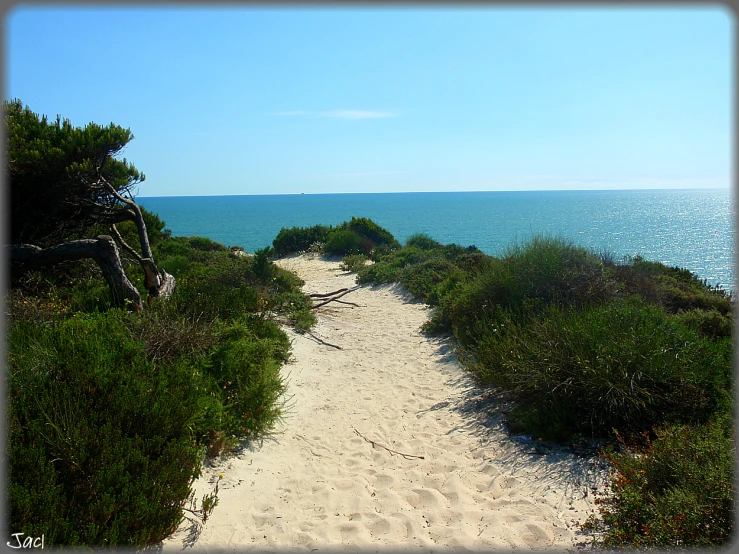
(99, 447)
(428, 270)
(422, 241)
(677, 491)
(422, 279)
(303, 319)
(228, 287)
(168, 336)
(110, 413)
(372, 232)
(175, 265)
(205, 244)
(674, 288)
(392, 267)
(382, 251)
(622, 365)
(245, 366)
(586, 346)
(316, 247)
(299, 239)
(176, 246)
(223, 289)
(343, 241)
(194, 249)
(709, 324)
(378, 273)
(262, 263)
(358, 236)
(353, 262)
(525, 281)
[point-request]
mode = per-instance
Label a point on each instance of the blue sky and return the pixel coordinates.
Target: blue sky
(260, 100)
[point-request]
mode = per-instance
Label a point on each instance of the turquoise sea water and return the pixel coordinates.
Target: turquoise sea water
(693, 229)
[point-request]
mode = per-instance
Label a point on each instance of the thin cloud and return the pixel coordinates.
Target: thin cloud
(356, 114)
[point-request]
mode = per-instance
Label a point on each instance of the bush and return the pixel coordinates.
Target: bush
(111, 412)
(353, 262)
(262, 263)
(551, 323)
(358, 236)
(677, 491)
(525, 281)
(175, 265)
(422, 241)
(382, 251)
(205, 244)
(299, 239)
(246, 369)
(426, 268)
(392, 267)
(100, 450)
(710, 324)
(194, 249)
(674, 288)
(225, 289)
(622, 365)
(343, 241)
(423, 279)
(372, 232)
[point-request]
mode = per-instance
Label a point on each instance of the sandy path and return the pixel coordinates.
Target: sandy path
(317, 484)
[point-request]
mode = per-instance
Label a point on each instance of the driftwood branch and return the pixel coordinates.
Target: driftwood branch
(320, 340)
(334, 298)
(347, 303)
(376, 444)
(327, 294)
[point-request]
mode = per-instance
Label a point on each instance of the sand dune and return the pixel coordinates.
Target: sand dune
(385, 447)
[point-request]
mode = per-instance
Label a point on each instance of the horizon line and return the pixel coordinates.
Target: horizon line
(730, 189)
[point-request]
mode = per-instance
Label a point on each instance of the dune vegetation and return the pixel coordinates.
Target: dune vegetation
(125, 366)
(634, 352)
(110, 412)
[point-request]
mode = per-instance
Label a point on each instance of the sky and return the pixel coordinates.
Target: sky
(259, 99)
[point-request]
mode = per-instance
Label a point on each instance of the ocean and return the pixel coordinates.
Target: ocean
(693, 229)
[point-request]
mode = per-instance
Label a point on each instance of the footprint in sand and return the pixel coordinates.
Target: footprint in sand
(426, 498)
(383, 481)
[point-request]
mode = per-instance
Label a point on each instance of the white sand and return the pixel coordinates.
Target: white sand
(317, 485)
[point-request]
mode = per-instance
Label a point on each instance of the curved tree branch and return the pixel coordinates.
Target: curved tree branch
(138, 216)
(159, 283)
(103, 250)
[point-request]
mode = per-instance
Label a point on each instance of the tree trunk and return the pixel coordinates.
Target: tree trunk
(158, 283)
(103, 250)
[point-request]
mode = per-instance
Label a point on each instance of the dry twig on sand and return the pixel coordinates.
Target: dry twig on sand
(319, 339)
(374, 444)
(334, 296)
(327, 294)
